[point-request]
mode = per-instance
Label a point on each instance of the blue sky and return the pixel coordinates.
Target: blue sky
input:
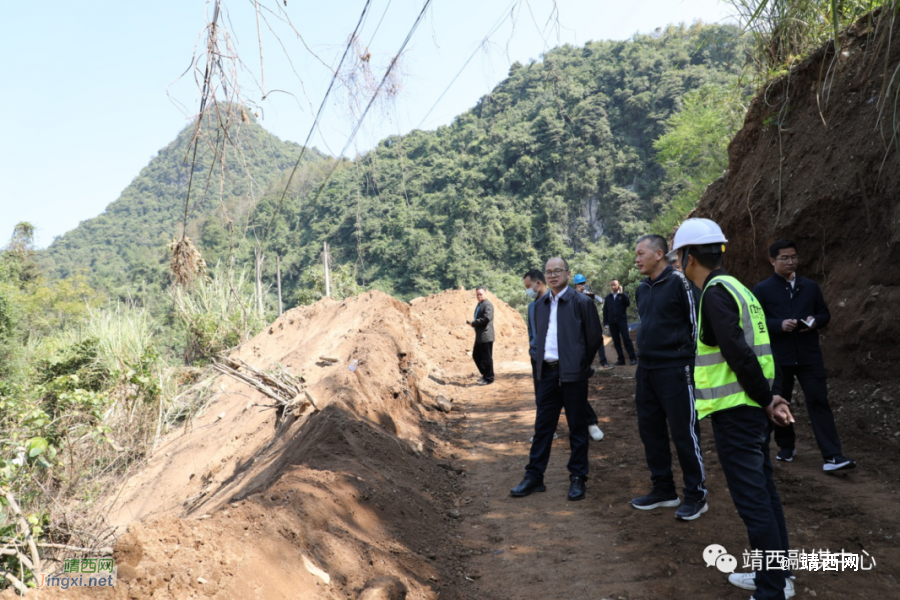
(91, 91)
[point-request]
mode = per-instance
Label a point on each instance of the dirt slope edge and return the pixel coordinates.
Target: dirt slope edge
(817, 165)
(240, 506)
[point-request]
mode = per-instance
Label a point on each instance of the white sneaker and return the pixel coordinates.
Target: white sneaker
(747, 581)
(555, 437)
(595, 432)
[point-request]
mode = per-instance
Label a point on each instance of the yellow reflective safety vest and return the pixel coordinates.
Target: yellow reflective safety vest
(715, 384)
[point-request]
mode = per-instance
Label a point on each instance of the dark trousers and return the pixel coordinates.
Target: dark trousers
(667, 395)
(619, 329)
(812, 380)
(601, 353)
(742, 441)
(552, 397)
(483, 355)
(590, 415)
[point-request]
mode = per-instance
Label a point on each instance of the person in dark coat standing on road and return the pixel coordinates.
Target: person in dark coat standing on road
(615, 317)
(795, 311)
(483, 323)
(667, 303)
(568, 334)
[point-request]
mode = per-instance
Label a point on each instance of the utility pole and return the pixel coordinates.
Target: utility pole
(278, 270)
(327, 277)
(259, 297)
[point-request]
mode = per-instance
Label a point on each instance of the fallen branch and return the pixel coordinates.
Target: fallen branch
(101, 550)
(26, 530)
(285, 388)
(20, 587)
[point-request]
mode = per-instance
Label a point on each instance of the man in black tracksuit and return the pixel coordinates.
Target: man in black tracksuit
(568, 335)
(615, 316)
(788, 300)
(667, 303)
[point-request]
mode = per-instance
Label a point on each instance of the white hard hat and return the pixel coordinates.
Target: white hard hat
(697, 232)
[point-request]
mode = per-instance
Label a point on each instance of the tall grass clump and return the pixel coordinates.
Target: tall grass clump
(217, 313)
(786, 31)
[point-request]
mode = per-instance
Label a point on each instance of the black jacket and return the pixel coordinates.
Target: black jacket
(615, 309)
(483, 322)
(720, 325)
(780, 302)
(579, 334)
(668, 310)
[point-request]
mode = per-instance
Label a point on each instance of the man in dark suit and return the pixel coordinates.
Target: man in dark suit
(615, 317)
(795, 311)
(568, 335)
(483, 323)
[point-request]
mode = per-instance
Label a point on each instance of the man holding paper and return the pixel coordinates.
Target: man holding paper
(795, 311)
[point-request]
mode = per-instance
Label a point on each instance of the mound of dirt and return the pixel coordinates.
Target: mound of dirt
(819, 164)
(358, 495)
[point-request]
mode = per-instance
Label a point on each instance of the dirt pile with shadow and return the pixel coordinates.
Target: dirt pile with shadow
(355, 498)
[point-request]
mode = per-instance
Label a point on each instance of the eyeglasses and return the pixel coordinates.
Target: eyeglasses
(788, 259)
(555, 272)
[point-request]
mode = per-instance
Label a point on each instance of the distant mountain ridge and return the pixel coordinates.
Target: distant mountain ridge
(558, 155)
(124, 246)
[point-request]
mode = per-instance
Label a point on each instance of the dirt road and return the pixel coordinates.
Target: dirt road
(543, 546)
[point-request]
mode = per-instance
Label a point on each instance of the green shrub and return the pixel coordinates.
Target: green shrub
(218, 314)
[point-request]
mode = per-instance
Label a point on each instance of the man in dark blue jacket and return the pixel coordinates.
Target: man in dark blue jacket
(667, 303)
(568, 335)
(615, 316)
(795, 311)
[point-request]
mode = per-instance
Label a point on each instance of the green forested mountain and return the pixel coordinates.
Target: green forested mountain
(558, 156)
(125, 247)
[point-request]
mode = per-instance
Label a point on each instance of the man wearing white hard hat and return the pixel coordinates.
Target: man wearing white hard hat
(734, 373)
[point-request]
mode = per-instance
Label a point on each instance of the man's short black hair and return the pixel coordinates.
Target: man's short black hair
(480, 287)
(780, 245)
(656, 242)
(564, 261)
(708, 255)
(535, 275)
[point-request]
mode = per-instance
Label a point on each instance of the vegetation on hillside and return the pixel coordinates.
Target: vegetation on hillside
(558, 157)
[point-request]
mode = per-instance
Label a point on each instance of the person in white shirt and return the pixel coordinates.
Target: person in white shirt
(568, 334)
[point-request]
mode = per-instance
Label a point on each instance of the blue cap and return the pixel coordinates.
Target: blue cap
(579, 278)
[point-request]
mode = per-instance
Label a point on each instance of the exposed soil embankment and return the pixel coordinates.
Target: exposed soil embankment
(244, 505)
(819, 164)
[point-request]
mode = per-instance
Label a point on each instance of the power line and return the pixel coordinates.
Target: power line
(374, 97)
(315, 124)
(466, 64)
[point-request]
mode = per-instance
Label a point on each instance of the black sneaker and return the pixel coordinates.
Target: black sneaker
(691, 509)
(838, 463)
(620, 363)
(633, 361)
(786, 454)
(656, 500)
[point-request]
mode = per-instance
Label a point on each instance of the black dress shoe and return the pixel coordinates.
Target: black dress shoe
(576, 488)
(527, 486)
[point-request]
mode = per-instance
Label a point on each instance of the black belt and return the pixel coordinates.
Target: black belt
(550, 365)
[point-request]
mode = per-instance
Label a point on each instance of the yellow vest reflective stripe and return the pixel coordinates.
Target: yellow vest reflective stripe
(715, 384)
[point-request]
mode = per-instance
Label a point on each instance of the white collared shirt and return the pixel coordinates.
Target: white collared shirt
(551, 344)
